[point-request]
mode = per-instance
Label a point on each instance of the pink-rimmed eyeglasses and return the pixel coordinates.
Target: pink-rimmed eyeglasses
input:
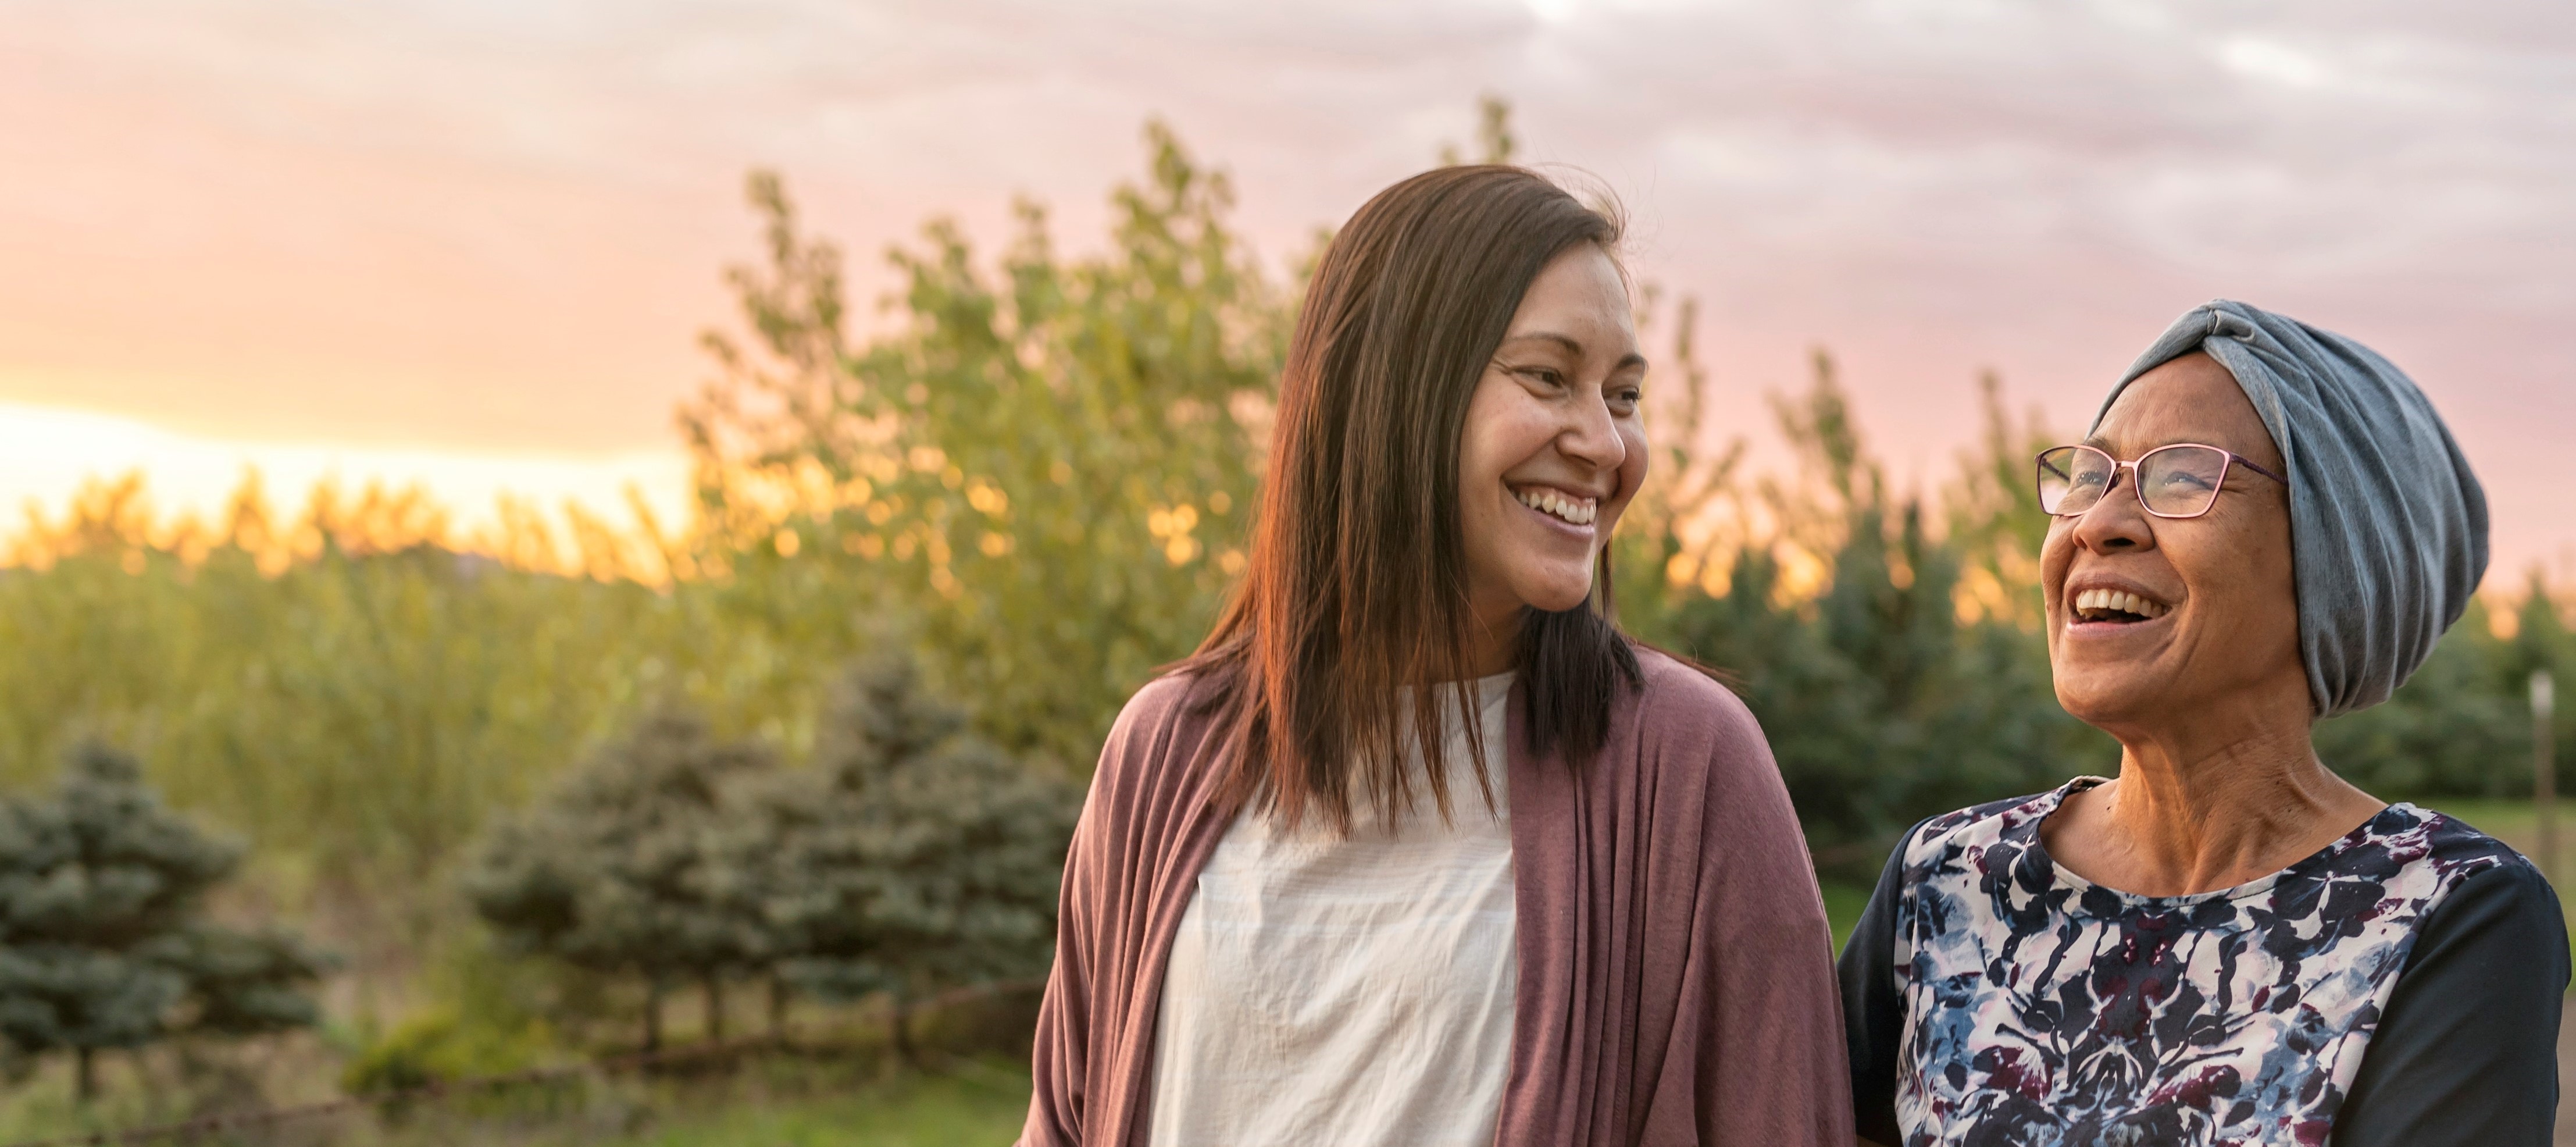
(2178, 481)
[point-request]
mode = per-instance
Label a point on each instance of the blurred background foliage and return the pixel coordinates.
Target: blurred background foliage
(1028, 482)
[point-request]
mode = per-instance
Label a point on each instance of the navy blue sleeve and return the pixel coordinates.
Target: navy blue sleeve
(1873, 1013)
(2467, 1053)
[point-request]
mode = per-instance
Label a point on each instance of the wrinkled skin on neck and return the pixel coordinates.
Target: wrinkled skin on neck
(2219, 783)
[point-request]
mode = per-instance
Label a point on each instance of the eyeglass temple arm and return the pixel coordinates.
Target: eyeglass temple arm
(2256, 467)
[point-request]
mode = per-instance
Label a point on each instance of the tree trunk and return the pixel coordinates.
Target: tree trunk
(777, 1009)
(901, 1030)
(652, 1014)
(85, 1074)
(713, 985)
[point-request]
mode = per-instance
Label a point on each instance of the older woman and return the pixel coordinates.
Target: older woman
(2227, 943)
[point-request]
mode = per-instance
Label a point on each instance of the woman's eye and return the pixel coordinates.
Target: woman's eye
(1543, 375)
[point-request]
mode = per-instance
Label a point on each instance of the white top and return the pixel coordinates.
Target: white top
(1344, 992)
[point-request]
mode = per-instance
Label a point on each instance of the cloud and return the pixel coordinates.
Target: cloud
(489, 223)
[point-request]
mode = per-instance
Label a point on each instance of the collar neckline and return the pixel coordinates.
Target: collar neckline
(2035, 868)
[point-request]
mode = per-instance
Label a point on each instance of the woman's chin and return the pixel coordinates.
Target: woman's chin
(2109, 700)
(1557, 594)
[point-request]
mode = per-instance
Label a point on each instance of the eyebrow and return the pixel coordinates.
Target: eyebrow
(1569, 342)
(1575, 347)
(2104, 445)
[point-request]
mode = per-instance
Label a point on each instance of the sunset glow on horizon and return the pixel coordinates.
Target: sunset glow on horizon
(47, 456)
(472, 246)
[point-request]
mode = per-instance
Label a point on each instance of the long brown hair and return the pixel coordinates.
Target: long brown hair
(1356, 595)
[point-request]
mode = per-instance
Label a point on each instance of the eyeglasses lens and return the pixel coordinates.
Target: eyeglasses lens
(2181, 481)
(2072, 478)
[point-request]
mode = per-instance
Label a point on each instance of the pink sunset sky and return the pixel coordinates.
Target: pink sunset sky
(471, 243)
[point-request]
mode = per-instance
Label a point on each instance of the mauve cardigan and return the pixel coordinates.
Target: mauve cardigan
(1676, 979)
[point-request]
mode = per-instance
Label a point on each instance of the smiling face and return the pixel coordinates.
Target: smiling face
(1554, 445)
(2156, 620)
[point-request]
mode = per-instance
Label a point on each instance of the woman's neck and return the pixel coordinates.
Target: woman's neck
(1494, 643)
(2195, 814)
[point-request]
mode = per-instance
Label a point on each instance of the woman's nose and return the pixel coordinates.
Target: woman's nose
(1593, 437)
(2115, 522)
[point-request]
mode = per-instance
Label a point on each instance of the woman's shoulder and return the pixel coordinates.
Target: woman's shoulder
(2468, 885)
(2005, 822)
(1682, 730)
(2441, 837)
(2439, 852)
(1158, 703)
(1167, 716)
(1676, 695)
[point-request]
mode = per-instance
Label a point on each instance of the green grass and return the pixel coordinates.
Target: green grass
(779, 1104)
(983, 1105)
(1843, 904)
(784, 1102)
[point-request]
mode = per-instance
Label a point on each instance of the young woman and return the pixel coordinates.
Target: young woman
(1585, 915)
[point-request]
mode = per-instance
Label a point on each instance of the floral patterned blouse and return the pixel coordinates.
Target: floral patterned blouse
(1994, 998)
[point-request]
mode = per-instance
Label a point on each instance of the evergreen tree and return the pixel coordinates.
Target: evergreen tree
(245, 983)
(913, 857)
(101, 946)
(611, 872)
(1882, 705)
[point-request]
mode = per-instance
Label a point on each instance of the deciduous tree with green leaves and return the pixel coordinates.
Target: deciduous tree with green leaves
(1038, 476)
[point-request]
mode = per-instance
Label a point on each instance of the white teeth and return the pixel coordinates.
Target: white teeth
(1579, 512)
(2110, 599)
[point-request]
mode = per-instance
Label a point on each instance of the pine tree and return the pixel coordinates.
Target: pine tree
(912, 858)
(611, 871)
(101, 945)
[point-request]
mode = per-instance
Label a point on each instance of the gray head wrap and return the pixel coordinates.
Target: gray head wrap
(2388, 528)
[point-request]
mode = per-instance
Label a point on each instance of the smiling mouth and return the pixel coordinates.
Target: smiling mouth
(1563, 507)
(2117, 607)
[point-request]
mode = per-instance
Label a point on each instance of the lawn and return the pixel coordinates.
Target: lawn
(1843, 904)
(982, 1104)
(779, 1103)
